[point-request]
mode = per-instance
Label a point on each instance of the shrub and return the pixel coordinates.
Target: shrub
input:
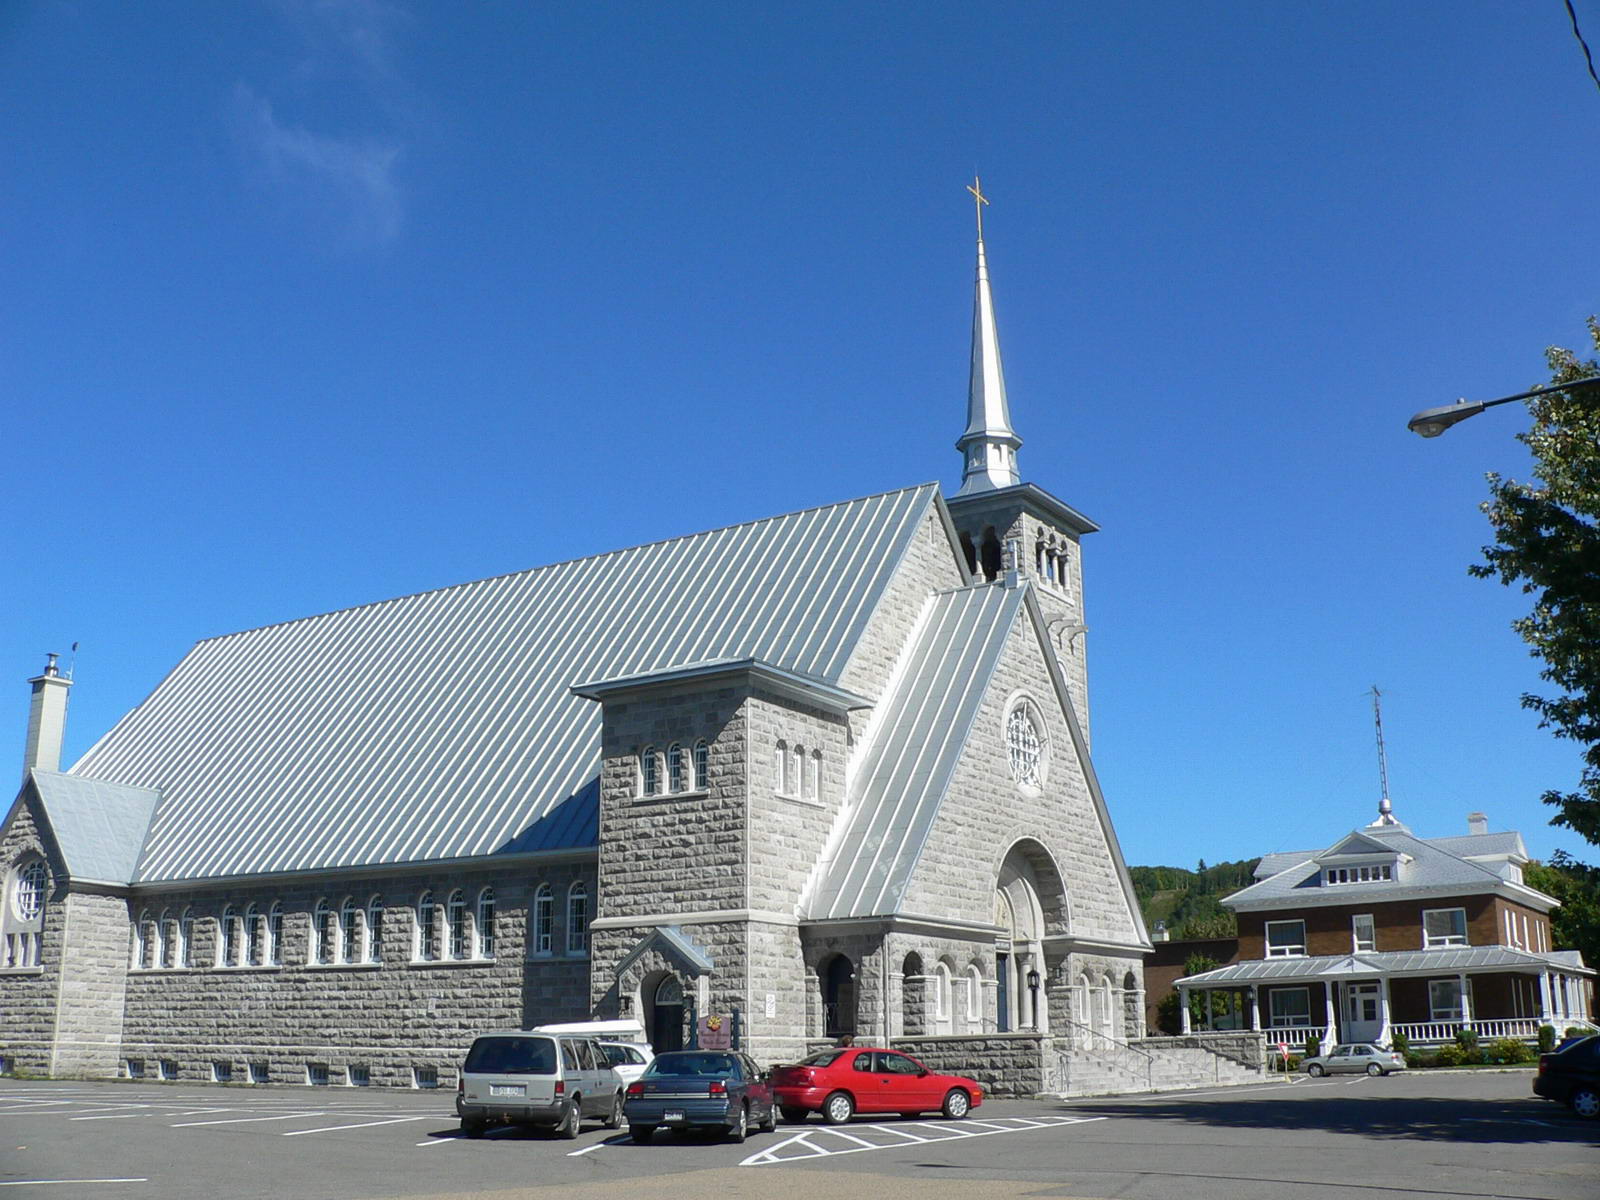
(1509, 1051)
(1449, 1056)
(1547, 1038)
(1313, 1046)
(1467, 1039)
(1413, 1059)
(1402, 1045)
(1575, 1031)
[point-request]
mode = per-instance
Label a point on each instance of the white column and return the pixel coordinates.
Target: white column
(1561, 997)
(1545, 1014)
(1255, 1009)
(1332, 1036)
(1211, 1019)
(1183, 1010)
(1466, 999)
(1383, 1010)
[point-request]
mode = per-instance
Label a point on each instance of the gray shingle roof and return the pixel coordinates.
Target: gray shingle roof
(98, 826)
(441, 725)
(901, 780)
(1373, 965)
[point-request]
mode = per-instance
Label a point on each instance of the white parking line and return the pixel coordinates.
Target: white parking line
(839, 1133)
(362, 1125)
(894, 1129)
(803, 1141)
(108, 1117)
(610, 1141)
(42, 1182)
(243, 1120)
(441, 1141)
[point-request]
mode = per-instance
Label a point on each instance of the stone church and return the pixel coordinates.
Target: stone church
(821, 773)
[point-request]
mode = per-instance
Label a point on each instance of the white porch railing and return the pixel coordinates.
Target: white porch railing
(1294, 1038)
(1422, 1032)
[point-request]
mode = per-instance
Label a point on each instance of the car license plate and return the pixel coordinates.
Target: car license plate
(672, 1114)
(506, 1089)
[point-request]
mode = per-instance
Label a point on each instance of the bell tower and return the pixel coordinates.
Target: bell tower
(1011, 530)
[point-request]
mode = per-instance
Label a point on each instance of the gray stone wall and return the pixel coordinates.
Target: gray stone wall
(94, 971)
(28, 994)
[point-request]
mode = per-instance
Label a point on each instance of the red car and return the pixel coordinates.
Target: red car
(845, 1080)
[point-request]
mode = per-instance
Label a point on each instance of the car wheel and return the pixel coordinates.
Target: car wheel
(1586, 1103)
(770, 1125)
(473, 1129)
(641, 1133)
(1315, 1071)
(741, 1124)
(957, 1104)
(614, 1120)
(794, 1114)
(838, 1108)
(571, 1119)
(1374, 1069)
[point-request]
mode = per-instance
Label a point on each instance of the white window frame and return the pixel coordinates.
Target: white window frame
(425, 928)
(1444, 1012)
(142, 950)
(1291, 951)
(1432, 942)
(1025, 744)
(457, 934)
(1278, 1019)
(675, 780)
(813, 775)
(254, 936)
(322, 947)
(228, 937)
(185, 949)
(274, 951)
(351, 935)
(974, 983)
(1355, 933)
(483, 924)
(542, 943)
(702, 763)
(649, 772)
(374, 928)
(165, 947)
(578, 922)
(942, 989)
(780, 768)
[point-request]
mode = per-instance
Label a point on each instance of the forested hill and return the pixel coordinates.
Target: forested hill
(1190, 901)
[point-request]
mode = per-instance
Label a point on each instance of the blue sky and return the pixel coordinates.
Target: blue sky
(313, 304)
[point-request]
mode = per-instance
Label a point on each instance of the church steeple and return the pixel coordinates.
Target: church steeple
(989, 445)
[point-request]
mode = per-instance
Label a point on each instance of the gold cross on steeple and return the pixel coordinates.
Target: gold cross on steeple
(979, 200)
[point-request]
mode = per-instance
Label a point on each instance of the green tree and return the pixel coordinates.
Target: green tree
(1576, 924)
(1548, 533)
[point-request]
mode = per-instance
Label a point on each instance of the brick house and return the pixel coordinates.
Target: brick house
(1386, 933)
(828, 770)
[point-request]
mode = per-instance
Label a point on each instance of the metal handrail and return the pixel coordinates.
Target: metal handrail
(1091, 1029)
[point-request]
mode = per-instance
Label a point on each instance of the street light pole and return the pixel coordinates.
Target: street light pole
(1431, 422)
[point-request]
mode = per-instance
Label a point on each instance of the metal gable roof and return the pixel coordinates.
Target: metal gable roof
(441, 725)
(897, 789)
(99, 827)
(1370, 964)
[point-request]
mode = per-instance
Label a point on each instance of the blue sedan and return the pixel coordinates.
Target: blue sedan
(686, 1089)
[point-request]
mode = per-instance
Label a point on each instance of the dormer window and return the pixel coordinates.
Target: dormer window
(1375, 873)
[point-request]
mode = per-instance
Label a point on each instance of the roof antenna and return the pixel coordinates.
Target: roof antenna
(1385, 809)
(72, 663)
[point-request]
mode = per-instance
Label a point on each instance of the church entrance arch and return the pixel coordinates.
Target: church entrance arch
(1027, 890)
(838, 979)
(662, 994)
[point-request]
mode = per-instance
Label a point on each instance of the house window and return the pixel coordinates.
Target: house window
(1362, 933)
(649, 772)
(186, 939)
(1444, 1000)
(275, 934)
(1289, 1008)
(228, 943)
(578, 919)
(1024, 746)
(485, 923)
(675, 782)
(1286, 939)
(701, 754)
(322, 933)
(165, 941)
(455, 910)
(1444, 927)
(543, 919)
(253, 942)
(349, 931)
(375, 929)
(427, 929)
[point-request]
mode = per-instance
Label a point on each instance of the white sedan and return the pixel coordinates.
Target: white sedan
(1356, 1057)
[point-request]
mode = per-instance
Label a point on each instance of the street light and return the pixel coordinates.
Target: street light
(1431, 422)
(1033, 986)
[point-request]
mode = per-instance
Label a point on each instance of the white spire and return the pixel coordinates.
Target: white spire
(989, 446)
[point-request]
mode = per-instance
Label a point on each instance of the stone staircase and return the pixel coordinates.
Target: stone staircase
(1086, 1063)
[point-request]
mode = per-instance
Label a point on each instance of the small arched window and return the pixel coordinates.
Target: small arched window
(485, 923)
(255, 947)
(185, 948)
(814, 775)
(322, 933)
(349, 931)
(29, 895)
(675, 782)
(780, 768)
(427, 947)
(974, 995)
(228, 939)
(942, 992)
(22, 915)
(578, 919)
(793, 781)
(649, 772)
(455, 911)
(166, 940)
(701, 764)
(543, 919)
(275, 934)
(375, 929)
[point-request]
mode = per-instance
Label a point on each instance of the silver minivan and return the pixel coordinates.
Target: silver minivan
(553, 1081)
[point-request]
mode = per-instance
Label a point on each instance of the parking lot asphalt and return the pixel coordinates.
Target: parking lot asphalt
(1422, 1135)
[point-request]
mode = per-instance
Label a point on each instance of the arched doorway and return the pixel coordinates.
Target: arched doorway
(1019, 948)
(662, 995)
(838, 980)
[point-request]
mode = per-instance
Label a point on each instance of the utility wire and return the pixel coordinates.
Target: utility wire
(1578, 33)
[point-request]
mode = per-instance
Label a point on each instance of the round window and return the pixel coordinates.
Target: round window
(1025, 747)
(29, 896)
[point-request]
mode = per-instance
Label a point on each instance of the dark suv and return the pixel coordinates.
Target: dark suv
(1572, 1076)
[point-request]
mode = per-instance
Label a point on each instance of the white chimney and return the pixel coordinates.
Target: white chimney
(1477, 824)
(47, 719)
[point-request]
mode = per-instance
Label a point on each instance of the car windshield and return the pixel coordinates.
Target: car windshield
(688, 1062)
(511, 1056)
(822, 1058)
